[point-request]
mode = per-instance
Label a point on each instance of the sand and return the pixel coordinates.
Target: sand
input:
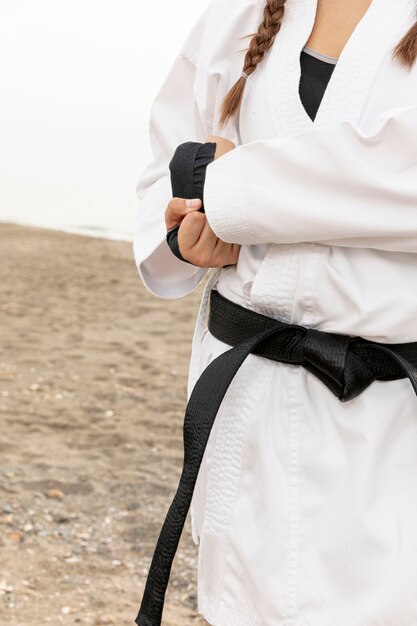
(92, 397)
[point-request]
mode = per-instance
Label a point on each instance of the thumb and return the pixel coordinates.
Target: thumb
(178, 208)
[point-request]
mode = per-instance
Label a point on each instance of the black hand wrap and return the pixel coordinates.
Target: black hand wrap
(188, 174)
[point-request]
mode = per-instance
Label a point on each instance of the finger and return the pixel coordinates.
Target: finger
(204, 247)
(224, 254)
(178, 208)
(198, 240)
(222, 250)
(207, 238)
(234, 252)
(189, 231)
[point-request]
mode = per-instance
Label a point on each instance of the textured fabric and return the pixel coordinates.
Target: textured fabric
(346, 365)
(188, 169)
(318, 55)
(304, 510)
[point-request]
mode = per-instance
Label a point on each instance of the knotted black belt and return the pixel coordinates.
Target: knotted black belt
(345, 364)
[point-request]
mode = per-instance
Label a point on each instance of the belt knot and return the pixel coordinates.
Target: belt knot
(327, 358)
(345, 364)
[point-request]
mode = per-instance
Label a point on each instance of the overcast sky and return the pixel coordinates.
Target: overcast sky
(77, 81)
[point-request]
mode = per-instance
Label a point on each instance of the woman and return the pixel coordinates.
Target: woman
(304, 508)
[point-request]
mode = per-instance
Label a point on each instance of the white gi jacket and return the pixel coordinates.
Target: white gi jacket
(305, 508)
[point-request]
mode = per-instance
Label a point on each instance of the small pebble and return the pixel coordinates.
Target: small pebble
(16, 536)
(72, 559)
(54, 493)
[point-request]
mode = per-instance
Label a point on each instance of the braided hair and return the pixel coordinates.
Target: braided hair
(405, 52)
(260, 43)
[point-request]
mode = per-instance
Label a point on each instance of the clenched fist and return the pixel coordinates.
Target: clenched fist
(197, 242)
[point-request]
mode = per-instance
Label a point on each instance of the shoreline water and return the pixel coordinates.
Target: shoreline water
(93, 231)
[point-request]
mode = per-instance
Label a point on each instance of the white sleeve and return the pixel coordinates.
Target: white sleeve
(332, 185)
(174, 119)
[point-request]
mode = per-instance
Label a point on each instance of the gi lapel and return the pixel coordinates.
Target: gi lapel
(377, 32)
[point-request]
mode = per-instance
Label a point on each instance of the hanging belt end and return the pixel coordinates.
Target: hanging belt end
(142, 620)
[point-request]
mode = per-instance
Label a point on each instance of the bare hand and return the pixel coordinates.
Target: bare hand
(197, 242)
(178, 208)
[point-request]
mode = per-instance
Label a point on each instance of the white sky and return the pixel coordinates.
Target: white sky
(77, 79)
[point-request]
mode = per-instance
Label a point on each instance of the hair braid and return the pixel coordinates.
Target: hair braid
(405, 52)
(258, 46)
(406, 49)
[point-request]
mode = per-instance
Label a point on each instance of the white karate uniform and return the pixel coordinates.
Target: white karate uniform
(305, 507)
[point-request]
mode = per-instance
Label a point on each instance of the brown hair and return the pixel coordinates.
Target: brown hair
(406, 49)
(405, 52)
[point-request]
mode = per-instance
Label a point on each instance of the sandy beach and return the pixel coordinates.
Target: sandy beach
(92, 397)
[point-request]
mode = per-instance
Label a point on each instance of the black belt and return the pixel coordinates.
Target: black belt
(345, 364)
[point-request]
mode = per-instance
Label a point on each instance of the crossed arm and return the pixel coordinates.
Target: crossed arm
(332, 185)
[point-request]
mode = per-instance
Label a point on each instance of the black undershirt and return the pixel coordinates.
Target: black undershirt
(190, 160)
(315, 75)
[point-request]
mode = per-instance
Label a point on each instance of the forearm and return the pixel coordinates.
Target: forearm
(331, 185)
